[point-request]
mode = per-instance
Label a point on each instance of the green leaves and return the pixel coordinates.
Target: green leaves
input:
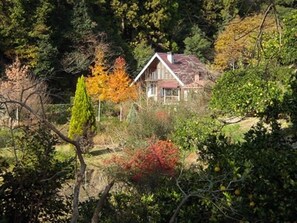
(289, 55)
(251, 91)
(197, 44)
(30, 189)
(82, 122)
(191, 133)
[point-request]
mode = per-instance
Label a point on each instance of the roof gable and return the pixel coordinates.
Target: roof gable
(156, 55)
(183, 69)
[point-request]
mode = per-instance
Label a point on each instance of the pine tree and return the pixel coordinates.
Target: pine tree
(82, 123)
(197, 44)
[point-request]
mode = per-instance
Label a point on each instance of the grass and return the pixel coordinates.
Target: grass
(235, 132)
(94, 158)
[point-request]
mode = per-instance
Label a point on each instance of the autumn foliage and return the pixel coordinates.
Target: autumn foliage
(20, 85)
(97, 83)
(237, 42)
(158, 159)
(115, 86)
(119, 83)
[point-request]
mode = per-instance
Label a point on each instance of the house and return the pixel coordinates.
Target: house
(170, 78)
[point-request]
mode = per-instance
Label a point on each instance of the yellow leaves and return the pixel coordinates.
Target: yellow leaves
(119, 83)
(236, 43)
(97, 83)
(114, 86)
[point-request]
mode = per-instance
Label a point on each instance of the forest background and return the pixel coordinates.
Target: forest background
(183, 163)
(57, 39)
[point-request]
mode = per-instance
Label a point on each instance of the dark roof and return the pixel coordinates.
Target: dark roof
(186, 67)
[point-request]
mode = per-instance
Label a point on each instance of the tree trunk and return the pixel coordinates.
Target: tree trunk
(17, 116)
(99, 110)
(78, 183)
(121, 113)
(95, 218)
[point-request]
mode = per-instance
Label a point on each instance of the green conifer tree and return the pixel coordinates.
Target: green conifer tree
(82, 122)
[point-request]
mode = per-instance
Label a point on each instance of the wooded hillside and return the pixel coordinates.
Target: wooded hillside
(57, 39)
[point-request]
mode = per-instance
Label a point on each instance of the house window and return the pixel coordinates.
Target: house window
(171, 95)
(171, 91)
(152, 90)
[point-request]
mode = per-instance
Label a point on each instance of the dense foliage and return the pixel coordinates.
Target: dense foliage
(58, 39)
(261, 171)
(82, 123)
(29, 191)
(252, 90)
(188, 133)
(147, 165)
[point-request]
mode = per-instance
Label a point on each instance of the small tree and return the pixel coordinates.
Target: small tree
(82, 122)
(119, 85)
(20, 85)
(97, 83)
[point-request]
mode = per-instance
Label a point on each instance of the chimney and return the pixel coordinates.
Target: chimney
(170, 57)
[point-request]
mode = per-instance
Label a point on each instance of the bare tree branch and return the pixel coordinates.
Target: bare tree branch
(95, 218)
(260, 34)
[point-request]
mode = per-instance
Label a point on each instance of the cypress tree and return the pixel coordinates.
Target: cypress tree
(82, 122)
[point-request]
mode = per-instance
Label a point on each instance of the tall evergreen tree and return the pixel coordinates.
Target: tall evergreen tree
(82, 122)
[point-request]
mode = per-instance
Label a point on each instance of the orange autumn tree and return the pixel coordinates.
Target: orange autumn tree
(119, 89)
(97, 83)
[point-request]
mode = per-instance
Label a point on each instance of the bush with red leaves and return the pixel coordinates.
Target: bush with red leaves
(158, 159)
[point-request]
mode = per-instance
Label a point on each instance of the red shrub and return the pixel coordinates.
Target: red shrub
(158, 159)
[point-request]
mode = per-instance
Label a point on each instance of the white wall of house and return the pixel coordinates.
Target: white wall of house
(160, 73)
(152, 90)
(163, 73)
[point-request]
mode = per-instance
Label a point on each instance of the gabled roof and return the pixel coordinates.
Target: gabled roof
(184, 68)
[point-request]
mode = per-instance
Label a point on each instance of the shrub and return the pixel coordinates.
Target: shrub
(263, 171)
(5, 138)
(189, 133)
(30, 192)
(153, 206)
(147, 165)
(151, 122)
